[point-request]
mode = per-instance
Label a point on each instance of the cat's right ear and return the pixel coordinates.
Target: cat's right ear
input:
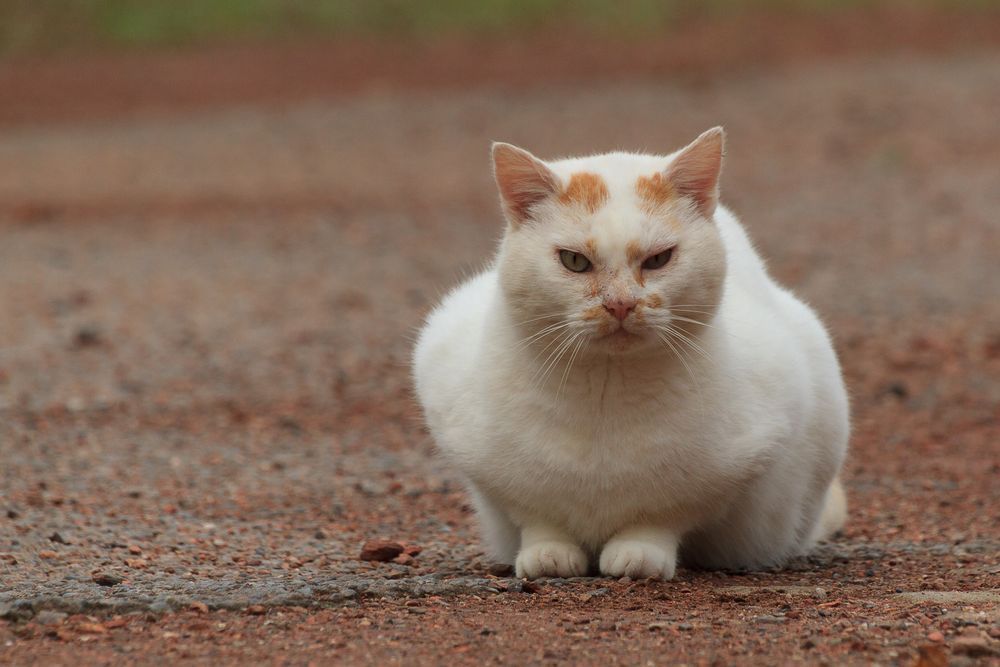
(523, 181)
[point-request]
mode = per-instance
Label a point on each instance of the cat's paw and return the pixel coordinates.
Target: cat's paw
(637, 559)
(551, 559)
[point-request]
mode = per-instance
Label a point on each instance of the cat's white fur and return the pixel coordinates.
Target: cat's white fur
(586, 450)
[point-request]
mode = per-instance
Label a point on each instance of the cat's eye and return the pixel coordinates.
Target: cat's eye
(574, 261)
(658, 260)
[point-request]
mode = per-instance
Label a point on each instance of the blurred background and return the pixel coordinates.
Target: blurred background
(221, 222)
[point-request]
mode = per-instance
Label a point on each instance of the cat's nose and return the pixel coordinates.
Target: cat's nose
(620, 308)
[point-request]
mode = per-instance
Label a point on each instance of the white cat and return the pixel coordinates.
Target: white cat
(626, 382)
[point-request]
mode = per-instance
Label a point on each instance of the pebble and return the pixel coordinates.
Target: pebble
(49, 617)
(936, 636)
(381, 551)
(91, 628)
(107, 579)
(974, 647)
(500, 569)
(47, 554)
(766, 618)
(256, 610)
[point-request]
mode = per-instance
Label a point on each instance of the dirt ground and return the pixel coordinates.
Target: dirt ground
(208, 299)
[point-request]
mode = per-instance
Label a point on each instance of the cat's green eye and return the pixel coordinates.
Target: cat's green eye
(574, 261)
(658, 260)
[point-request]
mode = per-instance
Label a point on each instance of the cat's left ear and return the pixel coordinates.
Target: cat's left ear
(695, 172)
(523, 181)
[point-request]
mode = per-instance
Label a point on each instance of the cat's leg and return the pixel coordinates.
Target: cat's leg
(834, 514)
(641, 552)
(501, 537)
(549, 552)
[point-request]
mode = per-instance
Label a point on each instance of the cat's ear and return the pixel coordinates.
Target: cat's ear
(523, 180)
(695, 171)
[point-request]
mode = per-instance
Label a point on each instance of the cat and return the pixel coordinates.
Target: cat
(626, 386)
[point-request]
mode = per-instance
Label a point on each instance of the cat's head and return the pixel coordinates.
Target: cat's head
(617, 252)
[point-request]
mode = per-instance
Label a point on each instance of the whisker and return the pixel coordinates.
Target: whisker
(688, 319)
(554, 358)
(535, 319)
(552, 328)
(572, 358)
(680, 358)
(683, 337)
(559, 341)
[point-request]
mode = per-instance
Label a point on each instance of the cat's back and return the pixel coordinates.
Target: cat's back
(449, 340)
(778, 335)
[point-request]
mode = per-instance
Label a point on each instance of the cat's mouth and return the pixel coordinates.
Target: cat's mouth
(620, 337)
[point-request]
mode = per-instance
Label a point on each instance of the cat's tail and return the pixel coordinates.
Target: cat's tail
(834, 511)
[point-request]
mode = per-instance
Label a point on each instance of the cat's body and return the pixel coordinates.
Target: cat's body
(585, 445)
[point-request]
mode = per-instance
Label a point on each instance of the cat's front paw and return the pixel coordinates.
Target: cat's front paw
(623, 557)
(551, 559)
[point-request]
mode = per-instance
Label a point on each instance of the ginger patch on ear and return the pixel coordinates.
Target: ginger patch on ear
(654, 191)
(586, 189)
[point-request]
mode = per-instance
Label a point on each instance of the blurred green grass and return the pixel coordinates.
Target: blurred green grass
(41, 26)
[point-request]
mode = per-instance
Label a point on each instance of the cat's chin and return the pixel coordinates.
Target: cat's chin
(621, 340)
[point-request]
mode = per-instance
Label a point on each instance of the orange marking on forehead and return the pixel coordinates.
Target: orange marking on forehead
(586, 189)
(654, 190)
(633, 251)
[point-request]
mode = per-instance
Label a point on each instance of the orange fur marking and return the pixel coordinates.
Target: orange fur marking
(654, 301)
(586, 189)
(654, 190)
(593, 313)
(634, 253)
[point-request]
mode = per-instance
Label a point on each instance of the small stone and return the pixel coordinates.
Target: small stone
(597, 592)
(523, 586)
(47, 554)
(91, 628)
(134, 549)
(13, 514)
(199, 607)
(57, 538)
(412, 550)
(49, 617)
(766, 618)
(320, 534)
(87, 337)
(107, 579)
(500, 569)
(936, 636)
(403, 559)
(381, 551)
(654, 627)
(974, 647)
(256, 610)
(932, 655)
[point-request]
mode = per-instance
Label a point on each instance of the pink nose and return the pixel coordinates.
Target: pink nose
(620, 308)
